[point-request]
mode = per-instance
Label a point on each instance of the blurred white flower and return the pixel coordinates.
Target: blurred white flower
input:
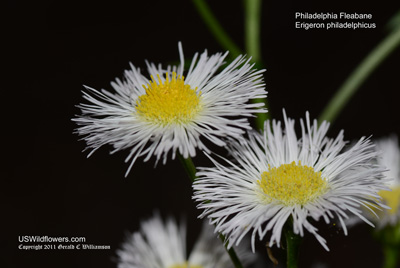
(390, 158)
(161, 244)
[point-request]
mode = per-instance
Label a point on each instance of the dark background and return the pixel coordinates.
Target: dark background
(52, 48)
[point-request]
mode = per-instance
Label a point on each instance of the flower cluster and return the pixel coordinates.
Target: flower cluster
(271, 180)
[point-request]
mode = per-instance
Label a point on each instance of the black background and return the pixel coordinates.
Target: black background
(52, 48)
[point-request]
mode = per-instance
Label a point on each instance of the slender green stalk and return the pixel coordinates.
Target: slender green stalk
(252, 39)
(391, 256)
(252, 23)
(359, 75)
(231, 252)
(216, 29)
(389, 237)
(394, 22)
(293, 242)
(190, 169)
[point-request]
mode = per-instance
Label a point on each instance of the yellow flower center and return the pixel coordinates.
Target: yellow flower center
(292, 184)
(392, 199)
(185, 265)
(169, 102)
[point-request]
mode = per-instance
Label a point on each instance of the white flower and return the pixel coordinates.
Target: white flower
(163, 245)
(169, 112)
(275, 176)
(390, 158)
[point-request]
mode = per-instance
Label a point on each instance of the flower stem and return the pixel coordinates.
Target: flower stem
(391, 256)
(252, 22)
(190, 169)
(216, 29)
(359, 75)
(232, 254)
(389, 237)
(252, 40)
(293, 242)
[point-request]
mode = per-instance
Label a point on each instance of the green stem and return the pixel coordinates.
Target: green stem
(391, 256)
(190, 169)
(359, 75)
(389, 237)
(252, 22)
(252, 39)
(293, 242)
(216, 29)
(231, 252)
(394, 22)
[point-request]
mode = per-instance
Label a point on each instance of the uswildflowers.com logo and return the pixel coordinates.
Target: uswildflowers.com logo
(49, 239)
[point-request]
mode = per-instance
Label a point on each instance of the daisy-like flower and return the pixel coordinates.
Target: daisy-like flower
(170, 112)
(161, 244)
(390, 158)
(275, 176)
